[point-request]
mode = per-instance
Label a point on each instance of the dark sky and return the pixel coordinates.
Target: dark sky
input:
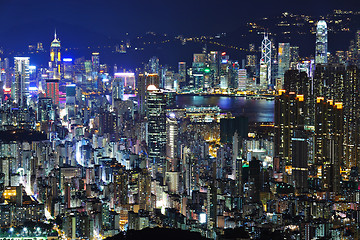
(113, 18)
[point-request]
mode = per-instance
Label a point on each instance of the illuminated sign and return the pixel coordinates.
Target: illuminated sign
(223, 53)
(206, 70)
(224, 61)
(67, 59)
(124, 74)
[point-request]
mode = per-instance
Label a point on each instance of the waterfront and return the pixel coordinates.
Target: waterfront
(257, 110)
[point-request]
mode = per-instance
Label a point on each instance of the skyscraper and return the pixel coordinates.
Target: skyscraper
(266, 59)
(182, 73)
(156, 140)
(20, 88)
(198, 71)
(321, 42)
(55, 58)
(153, 66)
(52, 90)
(284, 60)
(95, 59)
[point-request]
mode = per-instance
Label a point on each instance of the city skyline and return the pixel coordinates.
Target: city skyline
(252, 133)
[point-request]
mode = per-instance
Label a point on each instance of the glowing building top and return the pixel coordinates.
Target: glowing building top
(55, 58)
(321, 42)
(56, 42)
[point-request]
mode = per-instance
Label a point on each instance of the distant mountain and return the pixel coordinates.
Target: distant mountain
(297, 29)
(71, 35)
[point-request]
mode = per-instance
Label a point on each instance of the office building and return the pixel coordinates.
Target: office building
(20, 88)
(156, 139)
(283, 60)
(52, 90)
(321, 47)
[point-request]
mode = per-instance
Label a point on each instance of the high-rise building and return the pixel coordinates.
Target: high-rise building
(283, 60)
(156, 139)
(55, 58)
(351, 117)
(328, 144)
(118, 88)
(153, 66)
(300, 160)
(52, 90)
(20, 88)
(263, 76)
(182, 73)
(289, 116)
(294, 56)
(144, 81)
(321, 47)
(214, 61)
(70, 99)
(198, 66)
(242, 79)
(171, 138)
(265, 60)
(355, 51)
(128, 80)
(95, 59)
(329, 81)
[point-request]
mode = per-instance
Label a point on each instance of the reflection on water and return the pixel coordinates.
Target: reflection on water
(257, 110)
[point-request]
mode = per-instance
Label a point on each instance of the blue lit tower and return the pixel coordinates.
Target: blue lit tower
(321, 42)
(265, 62)
(55, 58)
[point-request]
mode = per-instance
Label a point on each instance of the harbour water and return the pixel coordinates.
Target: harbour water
(257, 110)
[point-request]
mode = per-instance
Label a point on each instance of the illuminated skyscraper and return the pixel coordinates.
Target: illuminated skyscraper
(156, 140)
(95, 59)
(20, 88)
(55, 58)
(242, 79)
(118, 87)
(321, 47)
(289, 116)
(284, 60)
(182, 73)
(198, 66)
(52, 90)
(153, 66)
(357, 47)
(328, 143)
(171, 138)
(70, 99)
(265, 60)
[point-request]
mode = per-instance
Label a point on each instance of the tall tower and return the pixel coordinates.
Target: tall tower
(182, 73)
(321, 42)
(20, 88)
(156, 116)
(266, 59)
(52, 90)
(55, 58)
(284, 60)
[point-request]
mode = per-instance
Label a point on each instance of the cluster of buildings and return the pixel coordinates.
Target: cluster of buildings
(95, 152)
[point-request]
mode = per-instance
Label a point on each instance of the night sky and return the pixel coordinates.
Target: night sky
(115, 17)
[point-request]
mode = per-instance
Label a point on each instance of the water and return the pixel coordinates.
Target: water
(257, 110)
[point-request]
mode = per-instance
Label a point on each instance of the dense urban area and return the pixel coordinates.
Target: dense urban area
(90, 150)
